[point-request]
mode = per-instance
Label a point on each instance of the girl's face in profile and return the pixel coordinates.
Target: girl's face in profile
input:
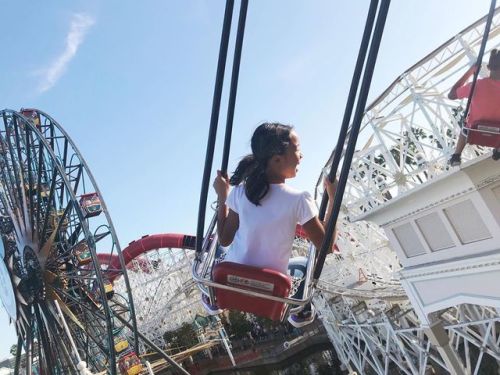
(291, 158)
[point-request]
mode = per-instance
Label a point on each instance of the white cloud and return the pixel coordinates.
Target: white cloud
(80, 25)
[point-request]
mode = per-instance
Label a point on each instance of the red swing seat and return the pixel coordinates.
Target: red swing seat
(260, 280)
(484, 133)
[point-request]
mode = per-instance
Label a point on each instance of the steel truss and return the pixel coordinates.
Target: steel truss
(164, 293)
(410, 130)
(408, 134)
(379, 337)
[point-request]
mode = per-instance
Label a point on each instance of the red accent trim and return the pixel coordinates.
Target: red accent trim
(143, 245)
(88, 195)
(300, 232)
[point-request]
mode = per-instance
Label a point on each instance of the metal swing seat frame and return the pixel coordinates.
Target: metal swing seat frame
(260, 291)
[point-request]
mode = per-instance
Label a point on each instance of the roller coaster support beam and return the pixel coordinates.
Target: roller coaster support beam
(439, 337)
(18, 355)
(150, 369)
(153, 346)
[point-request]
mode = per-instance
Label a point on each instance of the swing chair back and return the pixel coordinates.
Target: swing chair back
(260, 291)
(260, 280)
(484, 133)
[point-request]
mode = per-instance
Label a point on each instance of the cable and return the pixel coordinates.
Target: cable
(356, 124)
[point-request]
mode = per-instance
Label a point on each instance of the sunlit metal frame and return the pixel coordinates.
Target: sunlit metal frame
(202, 266)
(408, 134)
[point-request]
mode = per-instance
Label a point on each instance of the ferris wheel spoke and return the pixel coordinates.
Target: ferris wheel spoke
(38, 192)
(77, 179)
(91, 325)
(46, 346)
(93, 333)
(30, 347)
(59, 338)
(9, 186)
(63, 218)
(15, 183)
(31, 190)
(73, 237)
(100, 236)
(20, 175)
(10, 203)
(68, 170)
(49, 207)
(65, 151)
(75, 301)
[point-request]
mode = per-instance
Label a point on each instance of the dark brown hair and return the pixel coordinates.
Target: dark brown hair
(268, 139)
(494, 62)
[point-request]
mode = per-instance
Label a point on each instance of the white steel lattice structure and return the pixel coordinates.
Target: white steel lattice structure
(407, 136)
(165, 296)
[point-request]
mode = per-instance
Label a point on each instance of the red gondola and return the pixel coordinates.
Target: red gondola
(91, 204)
(33, 115)
(82, 253)
(130, 364)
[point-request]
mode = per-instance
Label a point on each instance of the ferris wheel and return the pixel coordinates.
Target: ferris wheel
(55, 231)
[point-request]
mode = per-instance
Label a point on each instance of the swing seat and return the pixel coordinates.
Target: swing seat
(484, 133)
(260, 280)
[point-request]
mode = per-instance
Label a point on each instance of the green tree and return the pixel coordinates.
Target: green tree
(187, 337)
(182, 338)
(239, 324)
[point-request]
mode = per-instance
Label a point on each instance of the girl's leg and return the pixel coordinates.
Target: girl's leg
(455, 159)
(462, 141)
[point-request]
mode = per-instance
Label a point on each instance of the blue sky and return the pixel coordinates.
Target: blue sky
(132, 84)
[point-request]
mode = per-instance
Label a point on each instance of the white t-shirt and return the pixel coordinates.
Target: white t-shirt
(266, 232)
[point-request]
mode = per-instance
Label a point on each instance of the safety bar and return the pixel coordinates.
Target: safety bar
(483, 130)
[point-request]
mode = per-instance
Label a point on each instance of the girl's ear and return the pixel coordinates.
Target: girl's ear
(275, 159)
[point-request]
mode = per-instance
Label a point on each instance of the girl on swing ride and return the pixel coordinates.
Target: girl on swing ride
(259, 215)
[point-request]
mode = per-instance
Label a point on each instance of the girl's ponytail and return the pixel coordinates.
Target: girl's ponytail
(244, 168)
(257, 186)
